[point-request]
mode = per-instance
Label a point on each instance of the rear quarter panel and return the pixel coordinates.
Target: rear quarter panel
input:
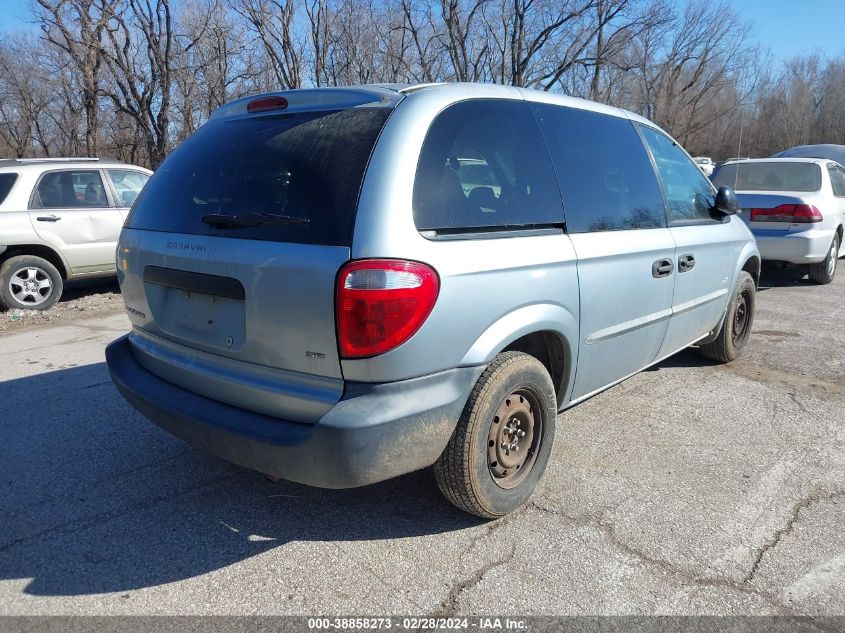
(15, 224)
(492, 290)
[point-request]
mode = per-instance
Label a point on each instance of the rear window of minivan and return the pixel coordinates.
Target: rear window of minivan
(308, 165)
(484, 166)
(7, 181)
(773, 176)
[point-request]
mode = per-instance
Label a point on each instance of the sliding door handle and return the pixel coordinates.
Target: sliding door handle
(662, 268)
(685, 263)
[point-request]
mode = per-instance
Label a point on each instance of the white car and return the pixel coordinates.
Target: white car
(60, 220)
(794, 206)
(705, 164)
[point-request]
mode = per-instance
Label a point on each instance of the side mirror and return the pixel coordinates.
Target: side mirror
(726, 202)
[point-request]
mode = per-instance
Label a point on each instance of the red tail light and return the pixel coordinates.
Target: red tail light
(265, 104)
(794, 213)
(381, 303)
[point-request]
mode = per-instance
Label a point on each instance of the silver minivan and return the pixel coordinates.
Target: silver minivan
(339, 286)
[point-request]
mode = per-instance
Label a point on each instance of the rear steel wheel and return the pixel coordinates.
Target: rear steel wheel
(501, 445)
(514, 438)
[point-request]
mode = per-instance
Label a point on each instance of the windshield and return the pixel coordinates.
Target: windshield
(309, 165)
(769, 176)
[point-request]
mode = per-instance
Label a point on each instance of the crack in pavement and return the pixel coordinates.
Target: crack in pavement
(814, 497)
(449, 606)
(794, 397)
(99, 482)
(97, 384)
(608, 530)
(109, 515)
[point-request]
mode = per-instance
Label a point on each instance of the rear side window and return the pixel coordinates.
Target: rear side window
(689, 194)
(308, 165)
(7, 181)
(70, 189)
(606, 177)
(484, 165)
(837, 180)
(128, 184)
(770, 176)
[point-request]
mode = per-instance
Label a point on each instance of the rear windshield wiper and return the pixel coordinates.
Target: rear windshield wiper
(245, 220)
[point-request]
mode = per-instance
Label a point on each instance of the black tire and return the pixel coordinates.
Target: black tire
(825, 271)
(519, 385)
(17, 289)
(736, 328)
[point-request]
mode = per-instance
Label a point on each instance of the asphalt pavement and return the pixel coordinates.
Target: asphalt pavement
(691, 488)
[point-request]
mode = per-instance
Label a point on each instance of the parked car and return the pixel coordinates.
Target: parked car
(329, 305)
(795, 207)
(705, 164)
(829, 151)
(60, 220)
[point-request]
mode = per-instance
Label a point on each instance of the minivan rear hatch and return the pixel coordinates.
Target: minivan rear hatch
(233, 247)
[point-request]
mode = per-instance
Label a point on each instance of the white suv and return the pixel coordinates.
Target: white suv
(59, 220)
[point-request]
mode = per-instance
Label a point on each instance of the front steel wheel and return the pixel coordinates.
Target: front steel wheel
(736, 327)
(742, 318)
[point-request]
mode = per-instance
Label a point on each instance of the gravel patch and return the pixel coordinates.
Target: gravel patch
(79, 301)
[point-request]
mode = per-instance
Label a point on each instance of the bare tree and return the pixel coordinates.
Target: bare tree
(273, 23)
(687, 64)
(212, 63)
(77, 27)
(320, 13)
(140, 62)
(547, 39)
(22, 99)
(131, 78)
(418, 22)
(467, 48)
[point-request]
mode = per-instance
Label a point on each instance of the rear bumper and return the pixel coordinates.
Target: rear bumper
(375, 432)
(797, 247)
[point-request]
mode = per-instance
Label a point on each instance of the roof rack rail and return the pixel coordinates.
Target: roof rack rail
(415, 87)
(57, 160)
